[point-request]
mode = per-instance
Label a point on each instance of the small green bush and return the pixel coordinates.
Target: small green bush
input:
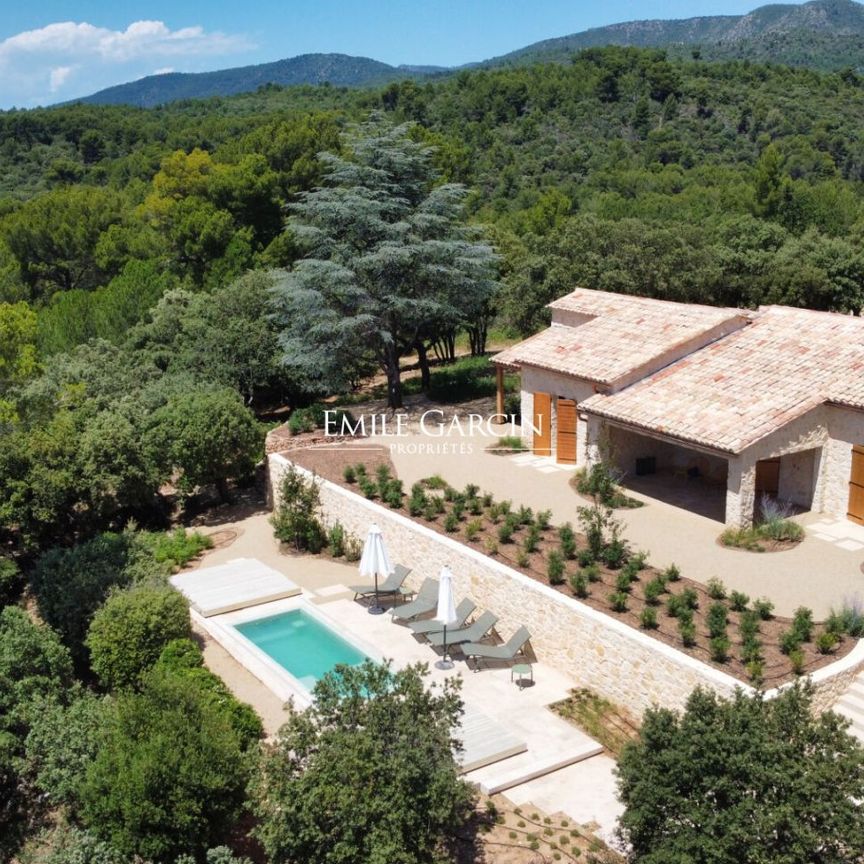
(592, 572)
(719, 648)
(436, 481)
(716, 589)
(336, 540)
(543, 519)
(751, 650)
(522, 559)
(618, 600)
(623, 582)
(790, 640)
(687, 631)
(451, 523)
(176, 548)
(802, 623)
(826, 642)
(555, 568)
(648, 618)
(349, 474)
(764, 608)
(368, 488)
(393, 494)
(129, 632)
(690, 598)
(532, 539)
(418, 500)
(672, 573)
(653, 591)
(505, 533)
(756, 672)
(490, 546)
(738, 601)
(525, 515)
(717, 619)
(579, 584)
(749, 623)
(796, 658)
(353, 548)
(615, 553)
(473, 529)
(585, 558)
(674, 606)
(512, 443)
(567, 540)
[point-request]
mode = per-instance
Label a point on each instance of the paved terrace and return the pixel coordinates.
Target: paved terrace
(583, 789)
(820, 572)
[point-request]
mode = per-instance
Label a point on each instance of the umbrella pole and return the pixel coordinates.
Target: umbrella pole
(445, 662)
(377, 609)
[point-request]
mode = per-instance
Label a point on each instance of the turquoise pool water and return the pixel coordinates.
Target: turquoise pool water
(301, 644)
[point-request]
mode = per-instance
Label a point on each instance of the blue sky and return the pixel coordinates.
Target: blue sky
(52, 50)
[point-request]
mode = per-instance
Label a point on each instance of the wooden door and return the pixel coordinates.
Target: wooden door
(856, 486)
(767, 478)
(566, 434)
(542, 424)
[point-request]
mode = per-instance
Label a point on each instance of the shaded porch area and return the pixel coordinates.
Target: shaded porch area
(680, 476)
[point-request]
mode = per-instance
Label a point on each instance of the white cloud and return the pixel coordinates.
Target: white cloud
(100, 57)
(163, 70)
(58, 77)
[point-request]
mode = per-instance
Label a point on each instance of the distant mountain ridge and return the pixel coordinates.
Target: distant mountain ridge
(340, 70)
(824, 34)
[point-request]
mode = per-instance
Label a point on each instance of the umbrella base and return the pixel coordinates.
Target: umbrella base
(444, 663)
(376, 610)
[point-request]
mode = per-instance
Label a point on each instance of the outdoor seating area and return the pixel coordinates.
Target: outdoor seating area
(452, 625)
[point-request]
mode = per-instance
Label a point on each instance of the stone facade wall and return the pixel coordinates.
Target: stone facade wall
(798, 477)
(594, 650)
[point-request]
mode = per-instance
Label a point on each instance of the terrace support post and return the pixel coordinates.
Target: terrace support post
(499, 393)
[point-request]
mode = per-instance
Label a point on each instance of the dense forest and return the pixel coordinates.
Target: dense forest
(169, 276)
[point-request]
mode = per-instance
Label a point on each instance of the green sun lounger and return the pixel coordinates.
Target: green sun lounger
(512, 649)
(430, 625)
(425, 601)
(473, 633)
(391, 585)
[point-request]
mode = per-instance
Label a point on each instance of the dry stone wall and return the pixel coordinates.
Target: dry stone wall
(595, 650)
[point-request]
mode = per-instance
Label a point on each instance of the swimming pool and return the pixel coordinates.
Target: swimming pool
(301, 644)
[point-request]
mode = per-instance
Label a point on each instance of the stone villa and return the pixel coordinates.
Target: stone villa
(766, 402)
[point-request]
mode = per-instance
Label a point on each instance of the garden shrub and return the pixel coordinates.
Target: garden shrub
(490, 546)
(614, 554)
(653, 591)
(522, 559)
(532, 539)
(295, 520)
(826, 642)
(505, 532)
(716, 589)
(382, 480)
(176, 548)
(764, 608)
(648, 618)
(802, 623)
(368, 488)
(586, 558)
(592, 572)
(751, 650)
(790, 640)
(618, 600)
(756, 672)
(796, 658)
(690, 598)
(430, 511)
(349, 474)
(525, 515)
(543, 519)
(849, 619)
(567, 540)
(451, 523)
(672, 573)
(738, 601)
(719, 648)
(749, 624)
(623, 582)
(687, 631)
(674, 606)
(579, 584)
(128, 633)
(638, 561)
(473, 529)
(353, 548)
(555, 567)
(336, 540)
(717, 619)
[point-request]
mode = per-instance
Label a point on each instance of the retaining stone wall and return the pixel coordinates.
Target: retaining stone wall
(595, 650)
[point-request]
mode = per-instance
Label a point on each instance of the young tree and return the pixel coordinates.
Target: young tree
(208, 435)
(747, 780)
(366, 773)
(387, 264)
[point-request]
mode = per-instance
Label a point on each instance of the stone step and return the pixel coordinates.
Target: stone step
(852, 699)
(857, 687)
(856, 717)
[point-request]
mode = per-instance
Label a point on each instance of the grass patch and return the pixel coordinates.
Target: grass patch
(599, 718)
(176, 548)
(509, 444)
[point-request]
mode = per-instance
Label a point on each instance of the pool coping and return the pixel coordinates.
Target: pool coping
(271, 674)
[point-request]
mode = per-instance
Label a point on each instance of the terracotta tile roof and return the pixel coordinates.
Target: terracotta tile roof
(624, 334)
(735, 391)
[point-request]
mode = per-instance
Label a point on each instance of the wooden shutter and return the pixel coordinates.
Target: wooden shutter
(542, 424)
(566, 437)
(856, 486)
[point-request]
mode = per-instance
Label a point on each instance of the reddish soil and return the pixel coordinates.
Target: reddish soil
(330, 461)
(777, 668)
